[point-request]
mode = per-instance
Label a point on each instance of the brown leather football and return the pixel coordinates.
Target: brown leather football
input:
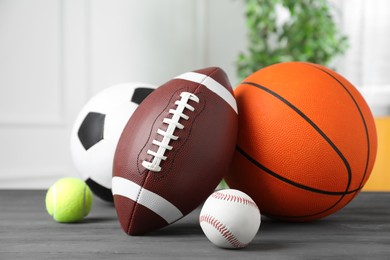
(174, 150)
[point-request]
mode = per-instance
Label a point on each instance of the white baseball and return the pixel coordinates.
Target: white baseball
(230, 218)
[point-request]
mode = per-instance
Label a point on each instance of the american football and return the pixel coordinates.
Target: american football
(174, 150)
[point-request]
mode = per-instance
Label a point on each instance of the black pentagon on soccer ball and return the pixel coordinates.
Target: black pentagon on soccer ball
(91, 129)
(140, 94)
(101, 191)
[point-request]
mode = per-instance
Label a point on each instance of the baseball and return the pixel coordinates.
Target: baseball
(230, 218)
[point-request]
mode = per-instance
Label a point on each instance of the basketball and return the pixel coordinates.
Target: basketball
(306, 143)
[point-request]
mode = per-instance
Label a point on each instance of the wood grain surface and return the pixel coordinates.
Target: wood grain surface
(359, 231)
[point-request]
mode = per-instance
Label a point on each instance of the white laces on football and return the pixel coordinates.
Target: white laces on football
(168, 135)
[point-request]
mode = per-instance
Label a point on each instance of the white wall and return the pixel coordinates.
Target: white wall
(367, 61)
(42, 84)
(55, 54)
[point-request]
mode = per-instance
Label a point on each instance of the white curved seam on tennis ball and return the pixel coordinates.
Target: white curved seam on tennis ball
(84, 201)
(54, 195)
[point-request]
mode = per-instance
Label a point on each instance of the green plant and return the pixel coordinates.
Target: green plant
(308, 33)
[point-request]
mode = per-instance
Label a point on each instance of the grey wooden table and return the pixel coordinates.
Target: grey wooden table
(359, 231)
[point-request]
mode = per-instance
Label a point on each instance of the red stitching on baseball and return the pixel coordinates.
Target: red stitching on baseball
(223, 230)
(233, 198)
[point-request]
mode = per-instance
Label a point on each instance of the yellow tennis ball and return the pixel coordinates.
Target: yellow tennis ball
(69, 200)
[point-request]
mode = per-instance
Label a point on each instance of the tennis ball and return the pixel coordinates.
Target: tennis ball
(69, 200)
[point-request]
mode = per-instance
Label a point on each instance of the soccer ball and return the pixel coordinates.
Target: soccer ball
(97, 129)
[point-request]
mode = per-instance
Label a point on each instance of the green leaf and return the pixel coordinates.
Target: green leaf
(309, 35)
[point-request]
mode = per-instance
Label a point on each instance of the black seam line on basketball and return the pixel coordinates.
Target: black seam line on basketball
(314, 214)
(298, 185)
(342, 195)
(320, 132)
(361, 115)
(307, 119)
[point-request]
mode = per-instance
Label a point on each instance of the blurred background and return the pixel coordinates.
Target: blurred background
(56, 54)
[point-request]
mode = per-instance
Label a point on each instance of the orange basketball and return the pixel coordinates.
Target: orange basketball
(307, 141)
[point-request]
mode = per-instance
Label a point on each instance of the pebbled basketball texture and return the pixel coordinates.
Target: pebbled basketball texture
(306, 144)
(174, 150)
